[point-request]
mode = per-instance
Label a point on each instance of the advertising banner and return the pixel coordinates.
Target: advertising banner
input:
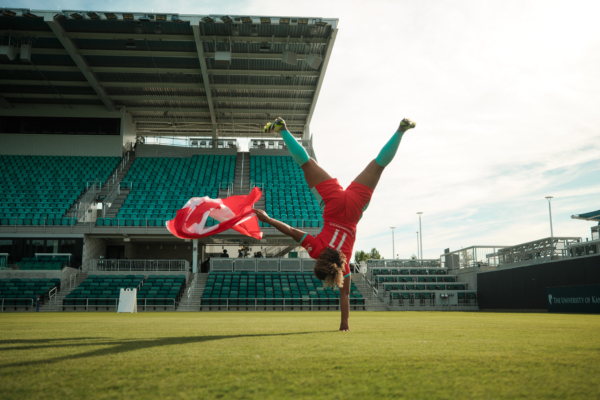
(574, 299)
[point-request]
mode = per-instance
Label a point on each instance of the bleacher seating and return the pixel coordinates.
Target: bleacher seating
(38, 190)
(43, 263)
(271, 289)
(104, 290)
(409, 287)
(287, 196)
(161, 290)
(161, 186)
(18, 292)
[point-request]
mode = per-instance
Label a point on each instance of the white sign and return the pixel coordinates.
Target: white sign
(128, 301)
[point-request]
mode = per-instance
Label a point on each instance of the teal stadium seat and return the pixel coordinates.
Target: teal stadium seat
(162, 185)
(287, 196)
(245, 290)
(39, 190)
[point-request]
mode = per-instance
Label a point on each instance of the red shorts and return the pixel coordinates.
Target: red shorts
(344, 205)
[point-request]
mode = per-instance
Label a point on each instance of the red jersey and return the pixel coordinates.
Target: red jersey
(342, 209)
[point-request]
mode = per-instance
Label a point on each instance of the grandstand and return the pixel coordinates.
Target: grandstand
(110, 122)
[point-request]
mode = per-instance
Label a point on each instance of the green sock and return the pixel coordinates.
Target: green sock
(297, 151)
(386, 155)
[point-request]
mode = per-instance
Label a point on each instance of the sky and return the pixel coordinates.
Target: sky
(505, 95)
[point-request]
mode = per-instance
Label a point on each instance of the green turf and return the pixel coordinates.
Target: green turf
(275, 355)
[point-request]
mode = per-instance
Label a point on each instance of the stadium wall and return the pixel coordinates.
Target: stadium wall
(524, 288)
(93, 248)
(62, 274)
(61, 145)
(156, 150)
(66, 145)
(153, 251)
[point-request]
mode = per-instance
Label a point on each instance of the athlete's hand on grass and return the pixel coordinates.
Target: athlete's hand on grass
(262, 216)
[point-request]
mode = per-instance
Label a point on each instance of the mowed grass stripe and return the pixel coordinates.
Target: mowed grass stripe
(275, 355)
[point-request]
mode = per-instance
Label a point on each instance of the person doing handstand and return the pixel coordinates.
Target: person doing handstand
(342, 209)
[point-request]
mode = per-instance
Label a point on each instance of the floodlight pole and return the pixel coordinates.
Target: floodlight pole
(418, 248)
(393, 242)
(420, 234)
(550, 212)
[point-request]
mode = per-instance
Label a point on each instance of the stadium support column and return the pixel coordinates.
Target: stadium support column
(195, 24)
(76, 56)
(215, 137)
(195, 257)
(328, 50)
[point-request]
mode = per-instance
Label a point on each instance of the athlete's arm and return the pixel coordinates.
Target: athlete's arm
(294, 233)
(345, 304)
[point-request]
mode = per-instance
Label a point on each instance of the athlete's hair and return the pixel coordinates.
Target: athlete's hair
(330, 267)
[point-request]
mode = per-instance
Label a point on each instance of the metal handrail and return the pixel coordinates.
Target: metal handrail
(192, 288)
(256, 305)
(3, 300)
(254, 264)
(53, 293)
(87, 199)
(111, 196)
(73, 280)
(116, 304)
(138, 265)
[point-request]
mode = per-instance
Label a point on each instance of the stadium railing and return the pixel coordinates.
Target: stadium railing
(262, 264)
(135, 265)
(279, 302)
(192, 288)
(114, 302)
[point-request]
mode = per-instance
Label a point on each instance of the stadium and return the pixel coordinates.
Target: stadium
(110, 122)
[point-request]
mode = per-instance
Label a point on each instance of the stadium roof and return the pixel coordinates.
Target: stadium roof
(162, 67)
(589, 216)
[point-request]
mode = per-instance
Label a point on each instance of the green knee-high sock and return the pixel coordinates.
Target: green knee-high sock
(386, 155)
(298, 152)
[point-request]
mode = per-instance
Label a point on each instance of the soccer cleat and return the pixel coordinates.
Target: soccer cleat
(276, 126)
(406, 124)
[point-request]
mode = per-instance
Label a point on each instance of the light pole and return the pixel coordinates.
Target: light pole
(393, 244)
(418, 251)
(420, 234)
(550, 211)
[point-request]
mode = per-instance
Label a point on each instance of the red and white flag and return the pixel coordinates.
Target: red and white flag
(234, 212)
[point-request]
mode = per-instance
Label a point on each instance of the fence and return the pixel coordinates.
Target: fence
(263, 264)
(408, 263)
(85, 202)
(114, 302)
(278, 302)
(136, 265)
(192, 288)
(203, 143)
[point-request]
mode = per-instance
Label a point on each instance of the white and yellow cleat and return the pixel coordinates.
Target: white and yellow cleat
(406, 124)
(276, 126)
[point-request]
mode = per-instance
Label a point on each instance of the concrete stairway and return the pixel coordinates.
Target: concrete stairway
(123, 193)
(283, 251)
(372, 302)
(57, 305)
(241, 181)
(193, 303)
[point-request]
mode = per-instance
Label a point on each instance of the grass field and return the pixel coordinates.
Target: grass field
(275, 355)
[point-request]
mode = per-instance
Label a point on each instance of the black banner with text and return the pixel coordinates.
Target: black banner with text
(574, 299)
